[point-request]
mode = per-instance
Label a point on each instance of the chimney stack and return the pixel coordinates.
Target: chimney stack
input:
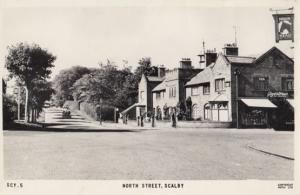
(208, 57)
(185, 63)
(161, 71)
(231, 50)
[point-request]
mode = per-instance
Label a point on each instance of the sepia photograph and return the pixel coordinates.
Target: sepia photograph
(148, 98)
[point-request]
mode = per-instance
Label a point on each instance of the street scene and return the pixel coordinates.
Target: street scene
(133, 93)
(78, 148)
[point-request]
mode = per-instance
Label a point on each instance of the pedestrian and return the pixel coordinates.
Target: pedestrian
(98, 111)
(173, 118)
(142, 121)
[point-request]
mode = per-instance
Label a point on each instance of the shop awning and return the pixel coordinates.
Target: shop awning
(291, 102)
(131, 107)
(261, 103)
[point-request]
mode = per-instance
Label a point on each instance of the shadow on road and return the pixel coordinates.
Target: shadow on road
(49, 128)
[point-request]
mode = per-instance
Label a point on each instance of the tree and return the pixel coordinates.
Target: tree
(41, 92)
(27, 63)
(143, 68)
(64, 81)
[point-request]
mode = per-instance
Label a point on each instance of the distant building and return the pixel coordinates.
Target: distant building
(245, 91)
(171, 92)
(146, 85)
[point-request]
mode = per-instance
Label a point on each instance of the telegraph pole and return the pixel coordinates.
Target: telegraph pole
(237, 73)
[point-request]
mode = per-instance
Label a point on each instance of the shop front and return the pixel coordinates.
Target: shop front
(256, 112)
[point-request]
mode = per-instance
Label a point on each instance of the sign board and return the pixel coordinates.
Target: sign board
(284, 27)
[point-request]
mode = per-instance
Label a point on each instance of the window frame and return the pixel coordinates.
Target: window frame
(206, 86)
(172, 92)
(258, 83)
(223, 84)
(284, 83)
(197, 88)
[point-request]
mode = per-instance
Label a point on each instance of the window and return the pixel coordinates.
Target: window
(172, 92)
(287, 84)
(196, 112)
(158, 95)
(207, 112)
(195, 90)
(261, 83)
(220, 84)
(206, 89)
(219, 111)
(142, 95)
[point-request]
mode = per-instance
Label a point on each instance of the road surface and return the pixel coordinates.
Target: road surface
(81, 149)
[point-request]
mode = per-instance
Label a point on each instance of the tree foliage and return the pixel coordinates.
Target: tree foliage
(29, 63)
(41, 92)
(64, 81)
(113, 86)
(144, 67)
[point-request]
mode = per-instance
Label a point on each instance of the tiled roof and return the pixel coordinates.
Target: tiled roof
(240, 59)
(154, 79)
(160, 87)
(202, 77)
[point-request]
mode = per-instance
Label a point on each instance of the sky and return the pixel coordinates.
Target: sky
(88, 35)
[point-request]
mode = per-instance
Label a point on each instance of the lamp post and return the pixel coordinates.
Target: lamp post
(237, 73)
(116, 115)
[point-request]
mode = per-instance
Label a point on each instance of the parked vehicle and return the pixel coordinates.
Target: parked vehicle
(66, 113)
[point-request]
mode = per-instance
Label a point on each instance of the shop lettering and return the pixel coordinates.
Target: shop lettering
(277, 94)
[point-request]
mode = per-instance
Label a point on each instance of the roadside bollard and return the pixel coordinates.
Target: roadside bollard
(138, 120)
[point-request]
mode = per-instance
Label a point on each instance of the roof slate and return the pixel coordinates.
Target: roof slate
(202, 77)
(160, 87)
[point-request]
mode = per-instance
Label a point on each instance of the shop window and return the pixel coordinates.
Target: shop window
(261, 83)
(206, 89)
(287, 84)
(219, 111)
(255, 117)
(195, 91)
(219, 84)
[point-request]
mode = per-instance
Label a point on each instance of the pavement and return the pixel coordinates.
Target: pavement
(79, 148)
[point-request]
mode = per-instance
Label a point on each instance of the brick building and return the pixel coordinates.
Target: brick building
(246, 91)
(171, 91)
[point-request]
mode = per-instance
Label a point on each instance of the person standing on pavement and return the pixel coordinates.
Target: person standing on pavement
(98, 111)
(173, 117)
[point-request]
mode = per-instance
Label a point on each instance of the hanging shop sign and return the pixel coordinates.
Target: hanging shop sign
(284, 27)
